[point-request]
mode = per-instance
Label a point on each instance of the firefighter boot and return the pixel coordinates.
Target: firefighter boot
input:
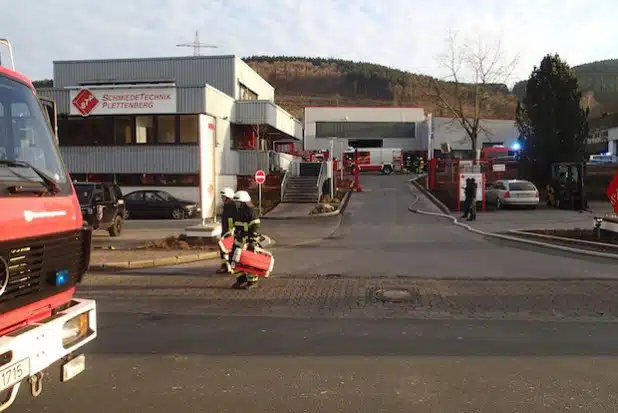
(251, 282)
(225, 268)
(241, 281)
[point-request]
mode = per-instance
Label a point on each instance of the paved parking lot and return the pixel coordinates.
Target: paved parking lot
(542, 217)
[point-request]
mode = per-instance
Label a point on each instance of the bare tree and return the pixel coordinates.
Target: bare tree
(475, 72)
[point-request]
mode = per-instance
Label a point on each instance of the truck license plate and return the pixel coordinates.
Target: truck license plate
(14, 373)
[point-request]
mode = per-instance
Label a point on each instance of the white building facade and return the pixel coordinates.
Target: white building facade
(397, 127)
(139, 122)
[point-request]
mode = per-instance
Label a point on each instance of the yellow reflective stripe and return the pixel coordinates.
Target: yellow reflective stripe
(254, 222)
(230, 222)
(241, 224)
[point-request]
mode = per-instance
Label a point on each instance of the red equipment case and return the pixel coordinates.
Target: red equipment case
(225, 244)
(259, 262)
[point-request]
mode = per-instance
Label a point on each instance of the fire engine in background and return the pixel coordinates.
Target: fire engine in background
(498, 152)
(44, 247)
(385, 160)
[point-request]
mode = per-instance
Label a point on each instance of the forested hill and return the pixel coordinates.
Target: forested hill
(599, 83)
(301, 81)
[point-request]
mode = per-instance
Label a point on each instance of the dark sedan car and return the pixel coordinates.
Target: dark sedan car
(158, 204)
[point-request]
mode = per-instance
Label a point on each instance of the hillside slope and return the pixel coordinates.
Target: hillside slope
(598, 82)
(301, 82)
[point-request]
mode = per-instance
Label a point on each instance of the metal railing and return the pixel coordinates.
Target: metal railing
(292, 171)
(323, 175)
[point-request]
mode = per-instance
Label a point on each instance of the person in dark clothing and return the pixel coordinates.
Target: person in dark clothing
(470, 201)
(228, 217)
(246, 233)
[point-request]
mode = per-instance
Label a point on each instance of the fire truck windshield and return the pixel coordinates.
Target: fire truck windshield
(27, 138)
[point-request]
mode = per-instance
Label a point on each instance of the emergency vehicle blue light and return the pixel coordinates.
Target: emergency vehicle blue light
(516, 146)
(62, 277)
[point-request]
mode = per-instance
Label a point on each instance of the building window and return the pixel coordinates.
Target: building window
(100, 177)
(379, 130)
(157, 179)
(96, 130)
(244, 93)
(127, 130)
(189, 129)
(78, 177)
(166, 129)
(144, 129)
(123, 128)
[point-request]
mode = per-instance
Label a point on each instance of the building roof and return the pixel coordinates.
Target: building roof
(142, 59)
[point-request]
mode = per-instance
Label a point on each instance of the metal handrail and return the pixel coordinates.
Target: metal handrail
(7, 43)
(321, 180)
(290, 172)
(284, 183)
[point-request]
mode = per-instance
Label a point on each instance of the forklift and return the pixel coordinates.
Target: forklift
(566, 189)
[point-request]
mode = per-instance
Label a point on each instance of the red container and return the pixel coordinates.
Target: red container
(226, 244)
(259, 262)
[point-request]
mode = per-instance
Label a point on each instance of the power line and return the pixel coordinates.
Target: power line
(196, 45)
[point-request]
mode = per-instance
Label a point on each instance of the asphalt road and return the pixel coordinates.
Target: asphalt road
(379, 237)
(313, 338)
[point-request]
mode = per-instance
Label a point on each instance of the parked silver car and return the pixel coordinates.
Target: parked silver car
(512, 192)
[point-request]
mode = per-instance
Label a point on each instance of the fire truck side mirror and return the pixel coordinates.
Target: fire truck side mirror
(52, 116)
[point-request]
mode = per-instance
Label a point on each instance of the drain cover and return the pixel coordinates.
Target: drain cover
(396, 296)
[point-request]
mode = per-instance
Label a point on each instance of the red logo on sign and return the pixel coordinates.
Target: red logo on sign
(260, 177)
(612, 193)
(85, 102)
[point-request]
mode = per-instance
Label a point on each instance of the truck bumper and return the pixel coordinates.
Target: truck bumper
(26, 352)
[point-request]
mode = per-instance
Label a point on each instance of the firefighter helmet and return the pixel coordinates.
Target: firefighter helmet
(227, 193)
(242, 196)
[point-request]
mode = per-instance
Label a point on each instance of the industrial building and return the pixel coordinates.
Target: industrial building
(603, 135)
(138, 122)
(397, 127)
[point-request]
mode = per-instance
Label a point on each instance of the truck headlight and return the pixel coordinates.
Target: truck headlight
(75, 330)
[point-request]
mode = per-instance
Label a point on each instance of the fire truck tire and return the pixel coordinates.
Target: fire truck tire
(116, 227)
(387, 170)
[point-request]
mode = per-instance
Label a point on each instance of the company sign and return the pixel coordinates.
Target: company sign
(123, 101)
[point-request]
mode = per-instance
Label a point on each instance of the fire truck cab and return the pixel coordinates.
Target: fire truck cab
(385, 160)
(44, 246)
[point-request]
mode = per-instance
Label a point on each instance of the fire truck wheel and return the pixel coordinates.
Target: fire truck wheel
(116, 227)
(387, 170)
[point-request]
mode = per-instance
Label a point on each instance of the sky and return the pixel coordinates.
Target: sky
(405, 34)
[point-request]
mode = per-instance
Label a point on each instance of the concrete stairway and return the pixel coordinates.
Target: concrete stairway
(303, 189)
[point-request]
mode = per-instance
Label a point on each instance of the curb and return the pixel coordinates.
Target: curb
(591, 244)
(520, 239)
(577, 251)
(340, 209)
(164, 261)
(157, 262)
(429, 195)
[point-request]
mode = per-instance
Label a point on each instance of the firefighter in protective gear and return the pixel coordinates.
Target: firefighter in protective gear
(246, 234)
(228, 217)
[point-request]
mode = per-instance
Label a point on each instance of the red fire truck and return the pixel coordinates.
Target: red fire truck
(44, 247)
(385, 160)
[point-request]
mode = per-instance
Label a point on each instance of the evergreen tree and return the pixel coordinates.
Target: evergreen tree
(550, 119)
